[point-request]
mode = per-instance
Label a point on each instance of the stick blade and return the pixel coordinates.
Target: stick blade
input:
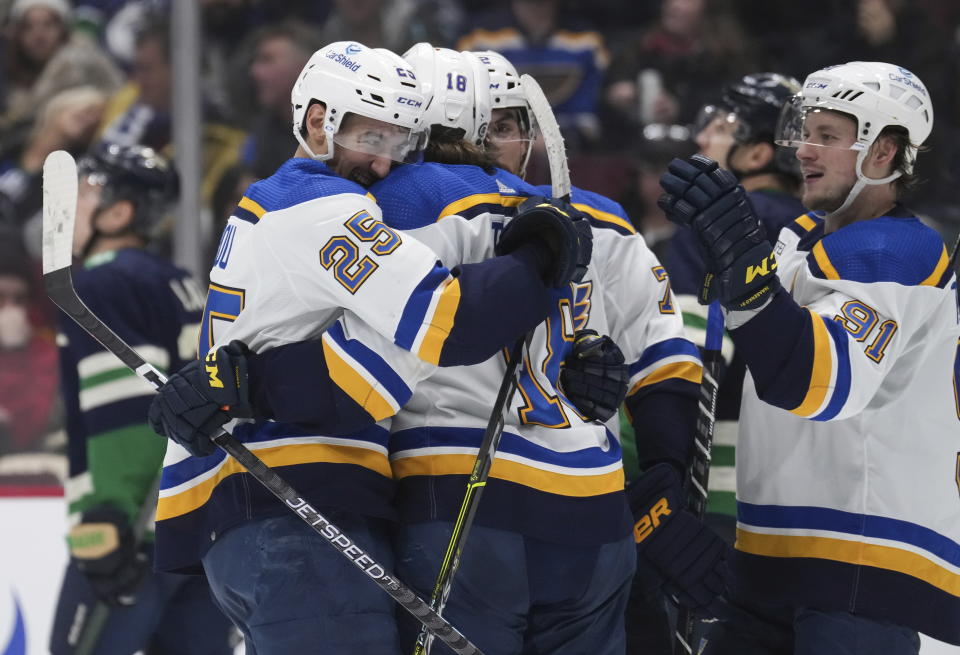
(552, 138)
(59, 210)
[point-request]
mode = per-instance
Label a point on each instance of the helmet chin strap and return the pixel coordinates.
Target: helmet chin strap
(862, 182)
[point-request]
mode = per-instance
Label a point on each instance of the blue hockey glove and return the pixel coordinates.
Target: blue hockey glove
(739, 262)
(594, 377)
(102, 547)
(227, 379)
(561, 234)
(689, 558)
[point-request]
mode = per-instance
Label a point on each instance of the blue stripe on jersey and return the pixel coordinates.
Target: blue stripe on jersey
(602, 211)
(417, 306)
(434, 437)
(250, 433)
(841, 389)
(822, 518)
(374, 364)
(245, 215)
(663, 349)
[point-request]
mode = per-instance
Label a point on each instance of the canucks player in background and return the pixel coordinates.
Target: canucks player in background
(303, 249)
(738, 133)
(114, 456)
(847, 460)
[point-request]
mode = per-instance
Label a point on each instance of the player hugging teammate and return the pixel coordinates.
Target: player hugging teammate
(349, 282)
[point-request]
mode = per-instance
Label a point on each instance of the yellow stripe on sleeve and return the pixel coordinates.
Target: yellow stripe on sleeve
(690, 371)
(561, 484)
(606, 217)
(820, 254)
(252, 207)
(475, 199)
(441, 322)
(822, 369)
(806, 222)
(851, 552)
(194, 497)
(355, 386)
(938, 271)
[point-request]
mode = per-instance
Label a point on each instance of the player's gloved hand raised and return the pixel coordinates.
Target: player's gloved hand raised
(739, 262)
(196, 401)
(103, 549)
(594, 376)
(561, 235)
(672, 543)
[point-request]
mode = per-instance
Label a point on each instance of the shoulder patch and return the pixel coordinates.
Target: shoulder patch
(885, 249)
(804, 223)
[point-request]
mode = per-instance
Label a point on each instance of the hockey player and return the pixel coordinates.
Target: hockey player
(847, 458)
(738, 133)
(529, 579)
(114, 456)
(303, 246)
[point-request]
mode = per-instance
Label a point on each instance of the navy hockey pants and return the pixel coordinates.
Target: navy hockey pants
(514, 594)
(291, 592)
(173, 615)
(816, 632)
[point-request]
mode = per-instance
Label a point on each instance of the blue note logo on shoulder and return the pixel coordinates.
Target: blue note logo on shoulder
(354, 48)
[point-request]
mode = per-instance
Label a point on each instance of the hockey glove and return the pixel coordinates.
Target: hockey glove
(689, 558)
(561, 234)
(103, 549)
(739, 262)
(594, 377)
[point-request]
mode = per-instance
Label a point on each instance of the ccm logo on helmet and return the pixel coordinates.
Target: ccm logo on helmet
(344, 61)
(408, 101)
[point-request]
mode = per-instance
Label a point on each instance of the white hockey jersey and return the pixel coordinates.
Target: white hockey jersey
(551, 462)
(849, 490)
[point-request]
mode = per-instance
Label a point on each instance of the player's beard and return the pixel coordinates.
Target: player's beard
(364, 178)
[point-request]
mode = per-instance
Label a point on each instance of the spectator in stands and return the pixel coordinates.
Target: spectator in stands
(29, 408)
(140, 112)
(393, 24)
(43, 59)
(566, 58)
(671, 69)
(67, 122)
(279, 54)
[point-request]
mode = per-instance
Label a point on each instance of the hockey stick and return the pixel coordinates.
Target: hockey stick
(59, 214)
(703, 443)
(560, 183)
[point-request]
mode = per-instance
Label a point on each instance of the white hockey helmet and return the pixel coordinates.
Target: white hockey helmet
(876, 95)
(506, 92)
(455, 85)
(350, 78)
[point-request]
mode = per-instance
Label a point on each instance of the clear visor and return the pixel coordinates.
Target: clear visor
(721, 123)
(511, 125)
(373, 137)
(805, 124)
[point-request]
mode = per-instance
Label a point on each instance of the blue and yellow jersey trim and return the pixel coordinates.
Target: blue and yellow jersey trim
(672, 359)
(453, 451)
(187, 484)
(829, 385)
(481, 203)
(804, 224)
(428, 317)
(249, 210)
(885, 249)
(363, 375)
(829, 534)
